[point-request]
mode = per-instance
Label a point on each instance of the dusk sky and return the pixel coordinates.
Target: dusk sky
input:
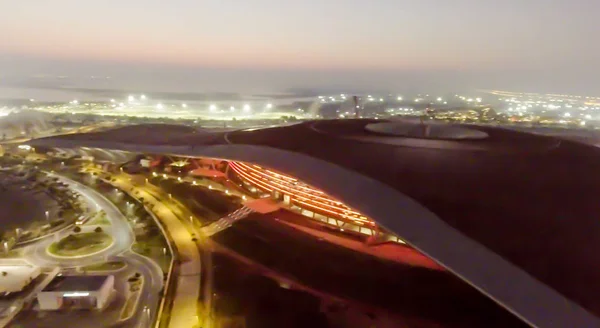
(531, 44)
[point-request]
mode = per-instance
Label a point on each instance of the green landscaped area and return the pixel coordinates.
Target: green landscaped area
(81, 244)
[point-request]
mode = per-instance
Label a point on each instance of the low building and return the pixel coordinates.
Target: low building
(78, 292)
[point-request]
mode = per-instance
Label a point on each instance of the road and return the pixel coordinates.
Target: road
(184, 312)
(81, 129)
(123, 237)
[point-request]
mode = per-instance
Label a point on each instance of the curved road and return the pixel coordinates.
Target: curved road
(123, 237)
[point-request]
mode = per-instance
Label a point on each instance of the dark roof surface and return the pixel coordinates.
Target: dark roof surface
(75, 283)
(531, 199)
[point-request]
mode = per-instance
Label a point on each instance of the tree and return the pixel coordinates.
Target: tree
(98, 229)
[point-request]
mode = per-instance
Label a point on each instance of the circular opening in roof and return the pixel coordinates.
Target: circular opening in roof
(425, 131)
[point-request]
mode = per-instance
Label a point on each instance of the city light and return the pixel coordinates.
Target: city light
(159, 106)
(131, 99)
(247, 108)
(184, 105)
(301, 194)
(212, 108)
(76, 294)
(143, 97)
(269, 106)
(399, 98)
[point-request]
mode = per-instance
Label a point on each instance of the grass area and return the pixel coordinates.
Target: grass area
(106, 266)
(135, 283)
(153, 247)
(81, 244)
(13, 253)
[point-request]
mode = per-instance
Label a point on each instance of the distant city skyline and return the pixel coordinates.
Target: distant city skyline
(266, 44)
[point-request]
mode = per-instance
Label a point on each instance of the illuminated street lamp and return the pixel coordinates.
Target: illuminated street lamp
(247, 108)
(212, 108)
(47, 215)
(184, 105)
(143, 97)
(269, 106)
(160, 106)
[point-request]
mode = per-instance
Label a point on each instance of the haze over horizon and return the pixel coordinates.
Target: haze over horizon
(269, 45)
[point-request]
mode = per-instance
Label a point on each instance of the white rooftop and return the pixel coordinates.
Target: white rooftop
(18, 275)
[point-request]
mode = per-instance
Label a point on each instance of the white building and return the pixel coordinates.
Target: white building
(15, 277)
(80, 292)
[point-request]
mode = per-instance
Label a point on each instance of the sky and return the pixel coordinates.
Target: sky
(533, 45)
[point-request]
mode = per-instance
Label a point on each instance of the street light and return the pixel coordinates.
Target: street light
(47, 215)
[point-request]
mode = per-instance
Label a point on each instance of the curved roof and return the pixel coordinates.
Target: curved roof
(514, 214)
